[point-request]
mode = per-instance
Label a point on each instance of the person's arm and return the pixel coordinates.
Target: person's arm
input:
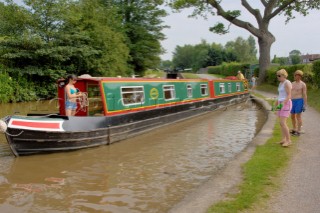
(304, 94)
(288, 87)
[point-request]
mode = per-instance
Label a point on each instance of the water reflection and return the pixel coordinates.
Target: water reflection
(148, 173)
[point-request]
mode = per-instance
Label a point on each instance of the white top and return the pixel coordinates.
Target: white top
(282, 90)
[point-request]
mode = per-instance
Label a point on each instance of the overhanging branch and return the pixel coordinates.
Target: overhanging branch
(280, 9)
(245, 25)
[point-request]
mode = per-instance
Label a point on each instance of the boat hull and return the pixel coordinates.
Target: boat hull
(84, 132)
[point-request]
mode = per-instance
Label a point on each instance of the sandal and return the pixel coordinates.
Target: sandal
(286, 144)
(295, 133)
(292, 131)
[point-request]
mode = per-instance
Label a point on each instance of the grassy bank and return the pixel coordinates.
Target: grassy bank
(261, 174)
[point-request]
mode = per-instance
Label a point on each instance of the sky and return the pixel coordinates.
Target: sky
(301, 33)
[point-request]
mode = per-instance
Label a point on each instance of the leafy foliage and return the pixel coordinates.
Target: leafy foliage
(43, 40)
(228, 69)
(204, 54)
(245, 50)
(143, 25)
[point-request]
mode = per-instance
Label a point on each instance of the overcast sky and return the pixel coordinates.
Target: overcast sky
(302, 33)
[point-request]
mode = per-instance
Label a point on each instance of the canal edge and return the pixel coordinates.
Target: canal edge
(230, 176)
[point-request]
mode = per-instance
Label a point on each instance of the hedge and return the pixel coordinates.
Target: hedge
(228, 69)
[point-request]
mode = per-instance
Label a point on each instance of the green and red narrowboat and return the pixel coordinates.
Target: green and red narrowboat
(114, 109)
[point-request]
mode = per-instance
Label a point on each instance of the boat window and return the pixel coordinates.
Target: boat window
(204, 89)
(238, 86)
(132, 95)
(189, 91)
(222, 89)
(229, 87)
(169, 92)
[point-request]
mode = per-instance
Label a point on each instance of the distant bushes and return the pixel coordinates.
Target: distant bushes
(228, 69)
(311, 73)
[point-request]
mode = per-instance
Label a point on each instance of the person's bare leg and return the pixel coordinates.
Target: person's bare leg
(68, 112)
(294, 121)
(285, 131)
(299, 122)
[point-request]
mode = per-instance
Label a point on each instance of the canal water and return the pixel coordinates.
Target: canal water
(148, 173)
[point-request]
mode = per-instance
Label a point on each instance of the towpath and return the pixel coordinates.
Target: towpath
(207, 76)
(300, 189)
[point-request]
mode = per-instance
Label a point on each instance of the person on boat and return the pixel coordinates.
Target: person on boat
(240, 76)
(72, 94)
(299, 102)
(284, 105)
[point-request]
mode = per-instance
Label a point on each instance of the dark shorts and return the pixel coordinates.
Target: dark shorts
(71, 105)
(297, 105)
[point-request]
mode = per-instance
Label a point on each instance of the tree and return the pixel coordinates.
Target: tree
(280, 60)
(271, 9)
(183, 56)
(166, 65)
(245, 50)
(143, 25)
(295, 57)
(217, 54)
(93, 36)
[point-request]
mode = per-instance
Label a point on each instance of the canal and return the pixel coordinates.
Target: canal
(148, 173)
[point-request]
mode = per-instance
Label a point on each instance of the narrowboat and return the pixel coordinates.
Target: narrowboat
(114, 109)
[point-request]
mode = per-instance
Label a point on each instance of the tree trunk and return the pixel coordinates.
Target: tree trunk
(265, 43)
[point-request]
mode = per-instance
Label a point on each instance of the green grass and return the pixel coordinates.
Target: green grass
(153, 74)
(313, 98)
(268, 88)
(190, 75)
(260, 173)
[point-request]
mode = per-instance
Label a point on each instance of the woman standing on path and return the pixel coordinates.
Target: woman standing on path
(284, 105)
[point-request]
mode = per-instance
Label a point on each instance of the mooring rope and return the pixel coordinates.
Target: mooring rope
(83, 102)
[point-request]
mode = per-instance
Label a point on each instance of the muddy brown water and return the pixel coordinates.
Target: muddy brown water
(148, 173)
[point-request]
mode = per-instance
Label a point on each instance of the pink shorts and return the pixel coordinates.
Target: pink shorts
(285, 111)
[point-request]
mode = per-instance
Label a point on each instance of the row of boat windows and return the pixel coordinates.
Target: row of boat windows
(135, 94)
(223, 89)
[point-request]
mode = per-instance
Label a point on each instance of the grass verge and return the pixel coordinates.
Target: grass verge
(260, 173)
(190, 75)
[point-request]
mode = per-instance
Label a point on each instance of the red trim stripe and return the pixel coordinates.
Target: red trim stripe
(36, 124)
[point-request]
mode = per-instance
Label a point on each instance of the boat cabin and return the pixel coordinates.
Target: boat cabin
(116, 96)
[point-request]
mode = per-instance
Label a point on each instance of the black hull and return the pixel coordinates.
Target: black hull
(86, 132)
